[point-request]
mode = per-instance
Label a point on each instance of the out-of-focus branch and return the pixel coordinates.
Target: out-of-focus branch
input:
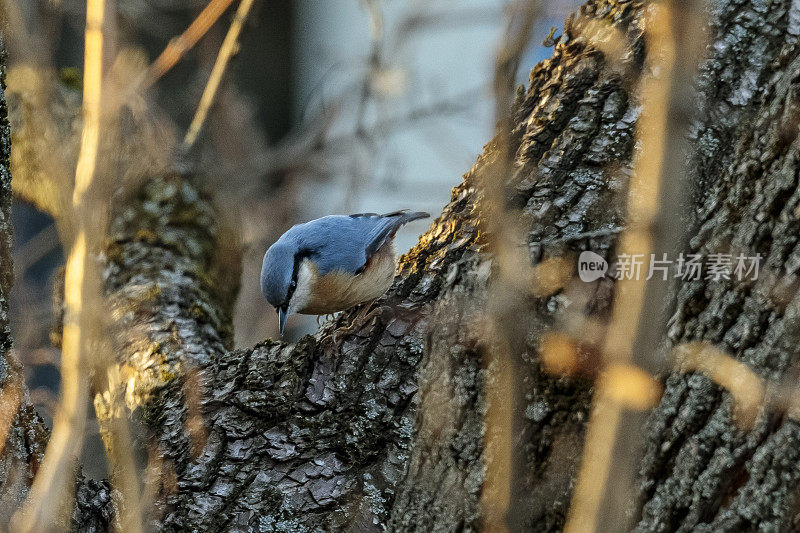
(50, 499)
(23, 434)
(310, 148)
(507, 298)
(36, 248)
(14, 24)
(459, 18)
(41, 111)
(178, 46)
(634, 341)
(751, 393)
(373, 72)
(45, 116)
(226, 51)
(376, 32)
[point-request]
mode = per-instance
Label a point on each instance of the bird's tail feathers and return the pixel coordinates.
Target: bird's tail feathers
(406, 216)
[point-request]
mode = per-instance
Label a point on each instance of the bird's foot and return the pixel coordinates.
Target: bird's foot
(321, 319)
(359, 321)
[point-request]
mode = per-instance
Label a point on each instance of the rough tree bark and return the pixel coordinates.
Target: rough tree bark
(378, 423)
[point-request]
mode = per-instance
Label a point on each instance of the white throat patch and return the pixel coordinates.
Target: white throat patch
(305, 282)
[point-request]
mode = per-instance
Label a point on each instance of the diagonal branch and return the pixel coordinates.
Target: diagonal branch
(227, 50)
(178, 46)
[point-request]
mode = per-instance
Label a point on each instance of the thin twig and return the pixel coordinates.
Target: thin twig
(178, 46)
(373, 62)
(633, 349)
(504, 460)
(46, 501)
(50, 500)
(229, 47)
(374, 65)
(309, 147)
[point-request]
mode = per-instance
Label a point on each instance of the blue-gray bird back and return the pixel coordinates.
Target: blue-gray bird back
(346, 242)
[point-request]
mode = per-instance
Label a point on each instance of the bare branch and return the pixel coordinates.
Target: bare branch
(226, 51)
(178, 46)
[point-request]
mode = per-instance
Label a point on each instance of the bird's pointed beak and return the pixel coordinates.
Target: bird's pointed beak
(282, 314)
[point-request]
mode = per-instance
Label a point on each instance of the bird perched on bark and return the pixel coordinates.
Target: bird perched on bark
(332, 263)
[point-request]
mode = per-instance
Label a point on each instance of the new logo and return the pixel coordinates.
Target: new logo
(591, 266)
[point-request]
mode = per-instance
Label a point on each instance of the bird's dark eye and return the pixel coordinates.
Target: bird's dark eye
(293, 284)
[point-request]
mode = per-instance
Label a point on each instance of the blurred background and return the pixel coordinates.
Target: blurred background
(330, 106)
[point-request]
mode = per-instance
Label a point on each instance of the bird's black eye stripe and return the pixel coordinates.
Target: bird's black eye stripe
(290, 292)
(298, 259)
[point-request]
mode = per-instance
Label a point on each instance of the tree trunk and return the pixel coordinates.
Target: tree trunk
(377, 421)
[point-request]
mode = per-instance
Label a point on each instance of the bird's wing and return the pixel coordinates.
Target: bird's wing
(346, 243)
(386, 228)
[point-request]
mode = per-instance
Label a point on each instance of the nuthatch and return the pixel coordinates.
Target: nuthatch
(332, 263)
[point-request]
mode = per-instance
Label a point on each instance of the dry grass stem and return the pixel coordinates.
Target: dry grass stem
(506, 297)
(632, 344)
(50, 499)
(178, 46)
(227, 50)
(748, 389)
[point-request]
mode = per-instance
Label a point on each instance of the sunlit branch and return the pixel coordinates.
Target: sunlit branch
(635, 333)
(228, 49)
(178, 46)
